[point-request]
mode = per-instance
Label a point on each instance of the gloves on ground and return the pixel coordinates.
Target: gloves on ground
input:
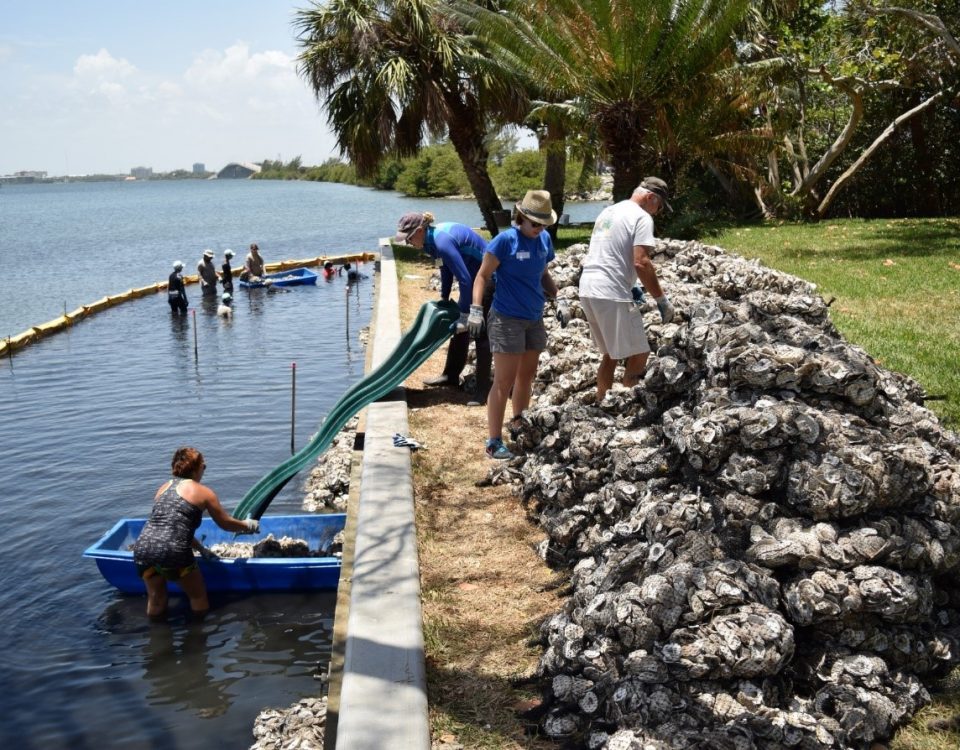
(253, 526)
(461, 325)
(637, 292)
(563, 312)
(475, 320)
(665, 308)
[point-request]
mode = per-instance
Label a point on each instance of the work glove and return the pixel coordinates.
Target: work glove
(475, 320)
(253, 526)
(637, 292)
(461, 325)
(665, 308)
(563, 312)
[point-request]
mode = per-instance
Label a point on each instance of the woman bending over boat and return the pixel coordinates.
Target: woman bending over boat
(164, 550)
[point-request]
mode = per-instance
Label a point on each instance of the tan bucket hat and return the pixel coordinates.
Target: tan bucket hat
(536, 206)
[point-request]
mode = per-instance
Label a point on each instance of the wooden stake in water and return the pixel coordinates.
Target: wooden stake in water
(196, 351)
(293, 404)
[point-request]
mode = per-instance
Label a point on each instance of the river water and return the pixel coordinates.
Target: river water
(89, 419)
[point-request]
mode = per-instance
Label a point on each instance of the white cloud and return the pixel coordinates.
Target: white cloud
(235, 66)
(110, 114)
(102, 65)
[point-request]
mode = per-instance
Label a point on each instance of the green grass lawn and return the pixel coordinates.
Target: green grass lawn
(895, 286)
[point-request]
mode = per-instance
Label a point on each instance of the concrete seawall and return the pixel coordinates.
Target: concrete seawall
(382, 696)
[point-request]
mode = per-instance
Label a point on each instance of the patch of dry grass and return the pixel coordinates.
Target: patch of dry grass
(484, 589)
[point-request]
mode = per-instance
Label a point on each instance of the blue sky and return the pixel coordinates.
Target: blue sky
(105, 85)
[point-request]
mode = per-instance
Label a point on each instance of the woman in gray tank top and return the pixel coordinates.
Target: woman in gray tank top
(164, 550)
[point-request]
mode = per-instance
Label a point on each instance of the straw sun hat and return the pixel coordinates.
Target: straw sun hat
(536, 206)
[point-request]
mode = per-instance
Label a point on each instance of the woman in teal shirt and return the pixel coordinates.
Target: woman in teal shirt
(519, 257)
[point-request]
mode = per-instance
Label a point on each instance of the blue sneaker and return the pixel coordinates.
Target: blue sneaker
(496, 449)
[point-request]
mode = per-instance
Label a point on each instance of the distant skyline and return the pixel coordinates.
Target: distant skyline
(103, 86)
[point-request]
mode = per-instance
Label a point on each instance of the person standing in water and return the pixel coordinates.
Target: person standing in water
(208, 274)
(224, 310)
(253, 265)
(226, 272)
(176, 290)
(164, 550)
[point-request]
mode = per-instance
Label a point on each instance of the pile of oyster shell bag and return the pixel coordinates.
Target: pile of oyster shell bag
(762, 536)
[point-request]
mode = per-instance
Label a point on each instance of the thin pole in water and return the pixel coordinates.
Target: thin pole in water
(196, 351)
(293, 404)
(347, 298)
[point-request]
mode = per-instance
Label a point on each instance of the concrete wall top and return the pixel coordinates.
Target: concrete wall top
(383, 698)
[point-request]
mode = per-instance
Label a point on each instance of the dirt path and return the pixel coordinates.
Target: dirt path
(484, 589)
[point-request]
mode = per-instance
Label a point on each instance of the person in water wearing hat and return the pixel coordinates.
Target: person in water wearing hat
(224, 309)
(208, 274)
(460, 250)
(328, 270)
(176, 290)
(226, 272)
(519, 256)
(253, 265)
(619, 256)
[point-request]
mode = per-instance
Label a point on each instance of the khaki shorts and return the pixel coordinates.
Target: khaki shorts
(617, 327)
(515, 335)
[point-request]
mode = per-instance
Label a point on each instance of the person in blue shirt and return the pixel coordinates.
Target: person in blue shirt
(460, 250)
(519, 257)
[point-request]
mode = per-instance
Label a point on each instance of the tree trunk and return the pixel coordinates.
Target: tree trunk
(587, 169)
(870, 150)
(622, 128)
(554, 145)
(928, 196)
(466, 135)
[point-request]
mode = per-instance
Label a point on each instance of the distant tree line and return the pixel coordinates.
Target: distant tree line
(436, 172)
(775, 108)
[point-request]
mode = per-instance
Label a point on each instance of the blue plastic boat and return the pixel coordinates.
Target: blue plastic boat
(115, 560)
(293, 277)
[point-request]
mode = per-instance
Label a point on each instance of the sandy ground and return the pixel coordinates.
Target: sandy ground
(484, 589)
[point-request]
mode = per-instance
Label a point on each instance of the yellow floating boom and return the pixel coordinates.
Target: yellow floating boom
(14, 343)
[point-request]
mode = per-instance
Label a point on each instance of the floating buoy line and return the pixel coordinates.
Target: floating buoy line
(10, 344)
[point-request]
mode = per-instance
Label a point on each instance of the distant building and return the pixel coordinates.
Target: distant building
(199, 168)
(25, 176)
(142, 173)
(238, 171)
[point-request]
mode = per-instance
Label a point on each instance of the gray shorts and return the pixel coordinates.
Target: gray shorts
(515, 335)
(617, 327)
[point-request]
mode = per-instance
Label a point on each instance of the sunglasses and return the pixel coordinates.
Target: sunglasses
(534, 224)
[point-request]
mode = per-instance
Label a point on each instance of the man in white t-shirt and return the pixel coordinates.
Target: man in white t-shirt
(620, 255)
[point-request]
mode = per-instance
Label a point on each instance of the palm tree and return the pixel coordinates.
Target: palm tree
(625, 60)
(391, 72)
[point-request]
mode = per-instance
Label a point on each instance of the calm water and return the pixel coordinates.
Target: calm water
(89, 419)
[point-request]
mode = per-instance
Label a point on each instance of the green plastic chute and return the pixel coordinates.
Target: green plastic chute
(433, 326)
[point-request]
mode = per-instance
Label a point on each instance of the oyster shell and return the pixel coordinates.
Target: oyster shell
(763, 536)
